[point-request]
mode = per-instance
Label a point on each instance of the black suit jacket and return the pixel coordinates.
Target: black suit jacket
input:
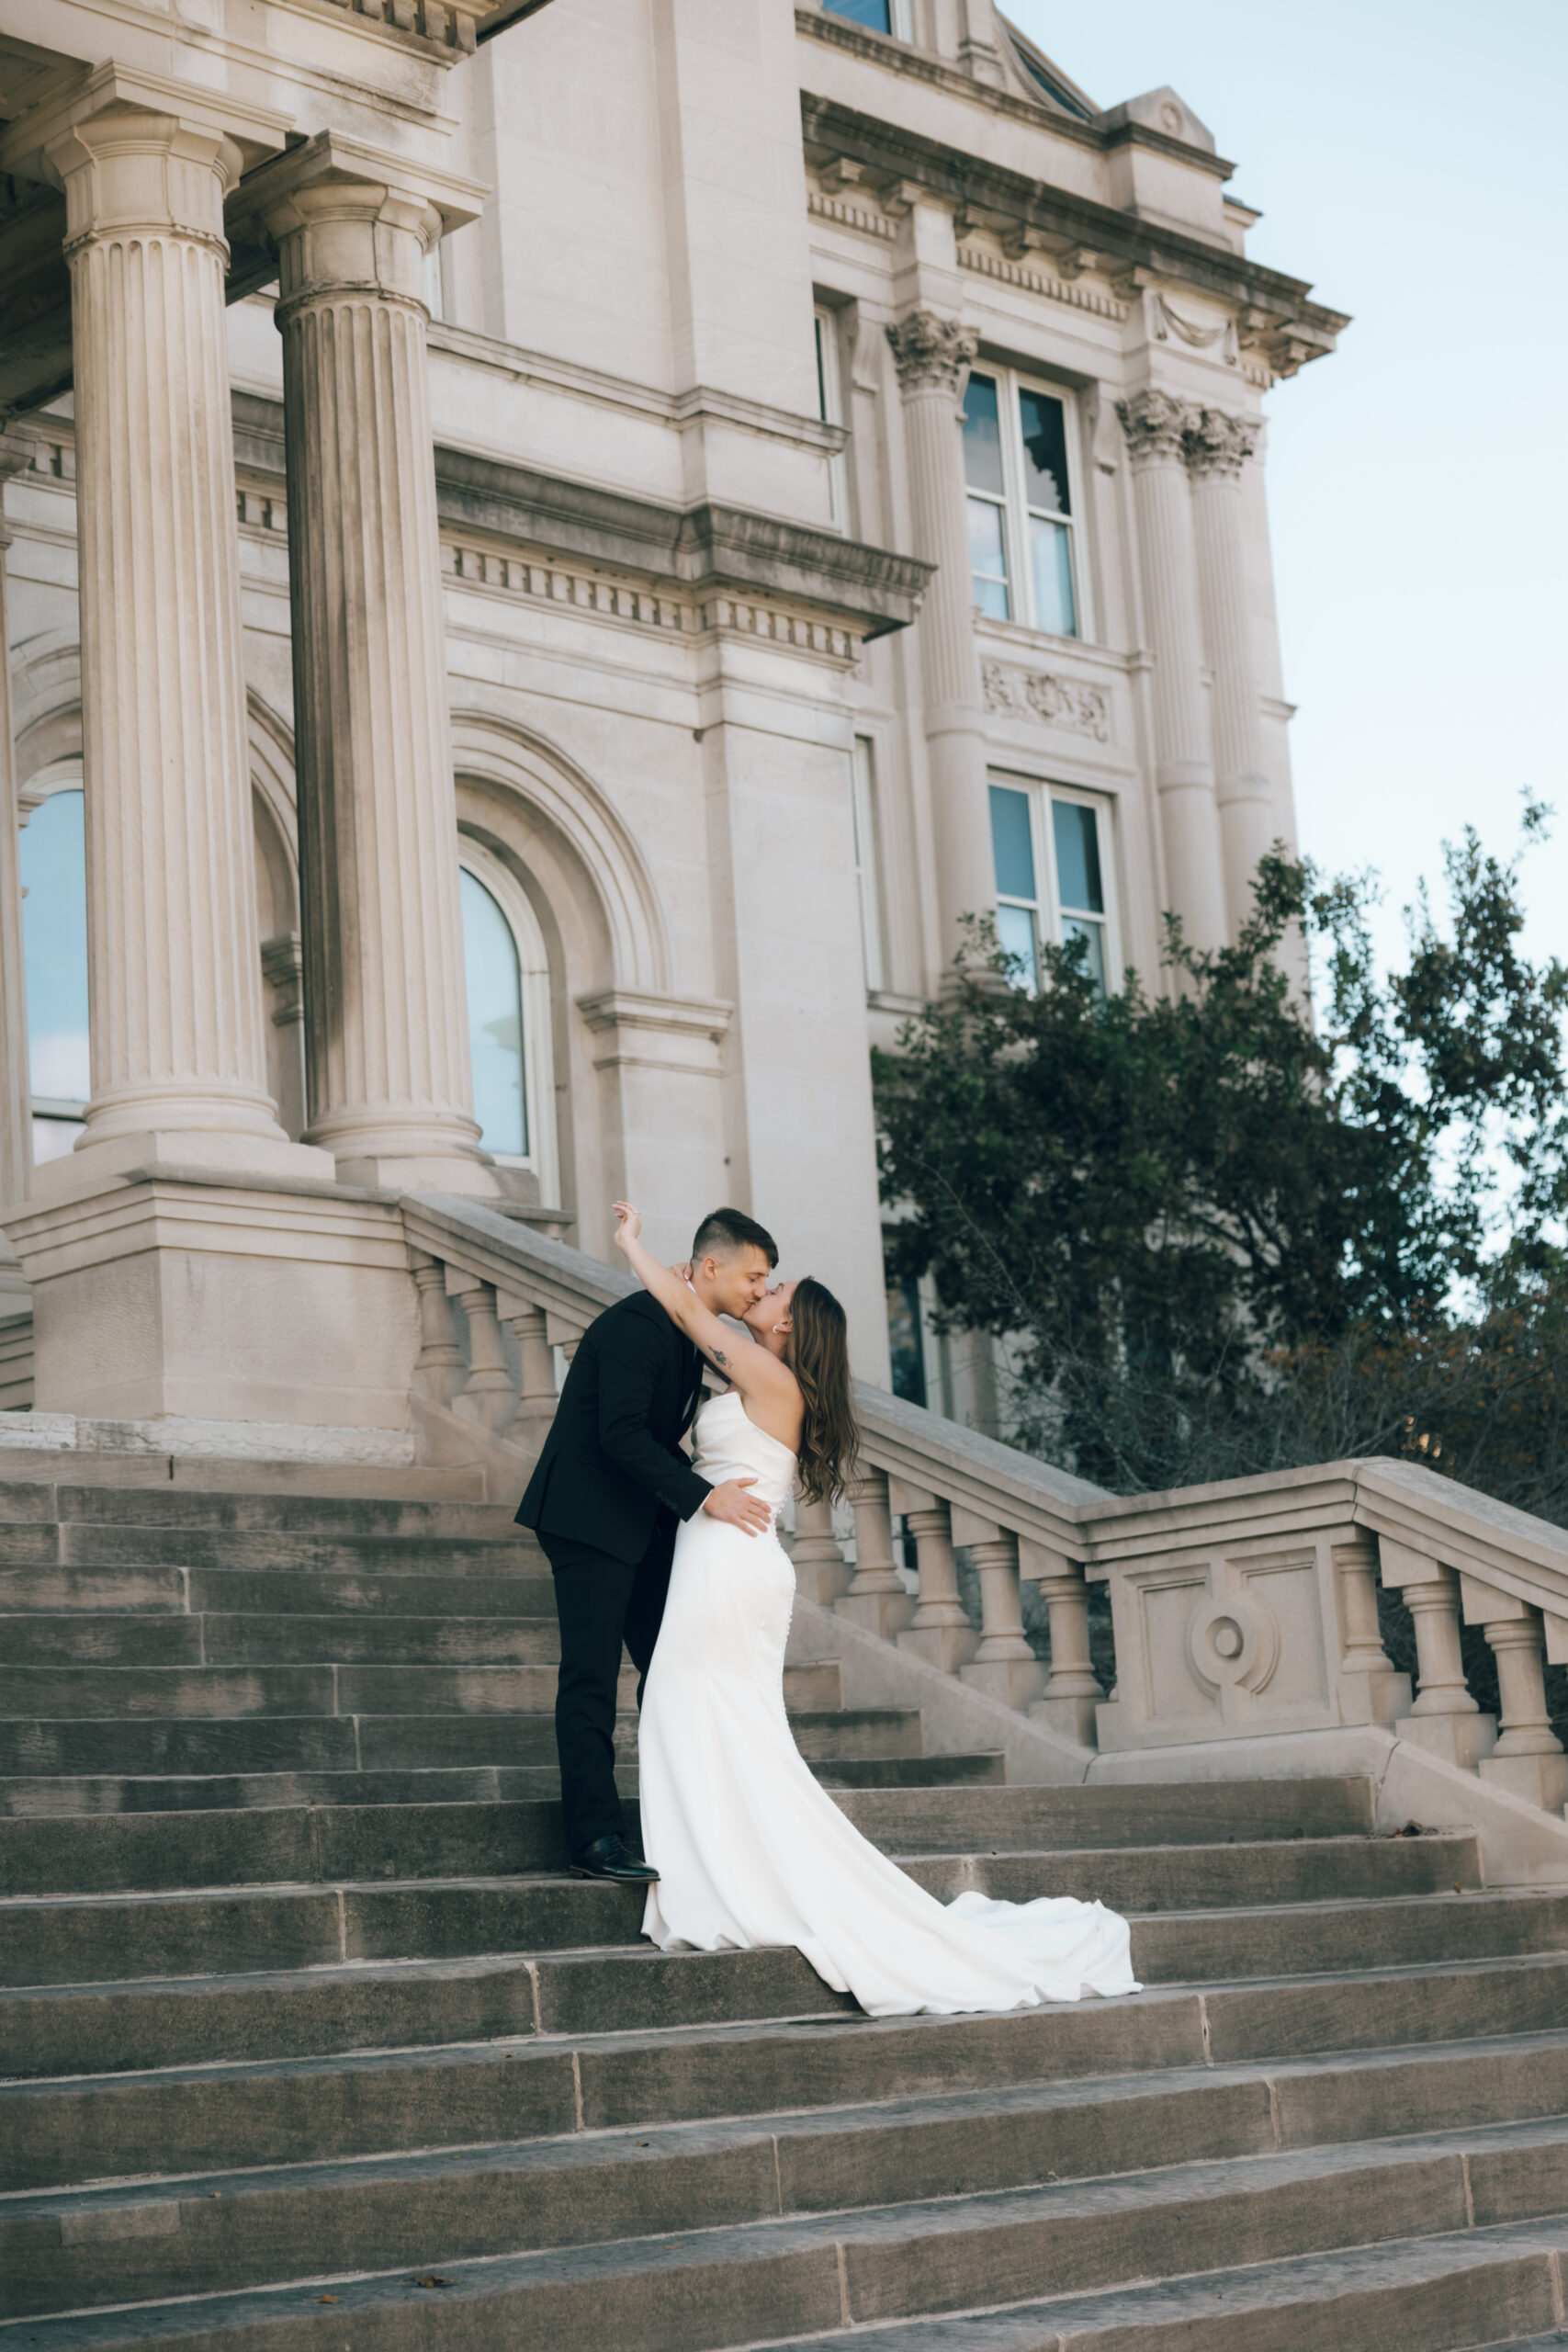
(612, 1461)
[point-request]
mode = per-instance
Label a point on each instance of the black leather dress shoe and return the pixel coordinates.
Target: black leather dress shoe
(608, 1857)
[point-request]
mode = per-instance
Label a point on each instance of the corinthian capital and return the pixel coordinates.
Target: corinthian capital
(1218, 444)
(929, 352)
(1156, 425)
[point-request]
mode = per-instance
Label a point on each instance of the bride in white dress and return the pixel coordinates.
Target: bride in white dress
(750, 1848)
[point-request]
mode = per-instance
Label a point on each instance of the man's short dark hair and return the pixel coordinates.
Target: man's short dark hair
(723, 1231)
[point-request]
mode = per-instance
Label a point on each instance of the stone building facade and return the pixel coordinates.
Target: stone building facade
(552, 557)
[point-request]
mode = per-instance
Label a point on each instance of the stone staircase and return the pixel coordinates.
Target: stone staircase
(308, 2042)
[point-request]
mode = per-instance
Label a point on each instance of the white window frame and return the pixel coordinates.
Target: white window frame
(863, 809)
(1047, 907)
(1009, 382)
(538, 1034)
(830, 403)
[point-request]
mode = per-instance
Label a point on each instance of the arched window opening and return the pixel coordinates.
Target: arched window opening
(495, 1023)
(507, 971)
(54, 949)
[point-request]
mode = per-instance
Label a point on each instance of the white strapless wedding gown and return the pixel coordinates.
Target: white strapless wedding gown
(751, 1849)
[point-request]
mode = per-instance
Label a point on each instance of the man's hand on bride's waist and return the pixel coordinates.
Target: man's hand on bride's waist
(731, 1503)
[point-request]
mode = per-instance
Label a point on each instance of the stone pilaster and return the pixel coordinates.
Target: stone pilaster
(1157, 426)
(16, 1103)
(1218, 448)
(386, 1021)
(932, 354)
(176, 1013)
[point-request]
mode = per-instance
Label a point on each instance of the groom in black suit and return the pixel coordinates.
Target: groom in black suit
(605, 1498)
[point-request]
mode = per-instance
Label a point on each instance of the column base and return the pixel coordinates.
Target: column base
(93, 1166)
(1457, 1739)
(456, 1171)
(884, 1613)
(1074, 1719)
(1540, 1779)
(218, 1296)
(947, 1647)
(823, 1581)
(1016, 1682)
(1381, 1696)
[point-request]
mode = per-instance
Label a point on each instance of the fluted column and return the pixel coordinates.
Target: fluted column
(1156, 425)
(1218, 448)
(174, 962)
(16, 1098)
(386, 1021)
(932, 354)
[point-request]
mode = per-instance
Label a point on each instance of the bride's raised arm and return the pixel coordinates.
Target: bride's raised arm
(749, 1368)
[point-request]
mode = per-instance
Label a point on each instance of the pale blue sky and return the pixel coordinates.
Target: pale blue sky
(1408, 158)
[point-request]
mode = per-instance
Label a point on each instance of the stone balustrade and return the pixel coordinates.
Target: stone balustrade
(1246, 1611)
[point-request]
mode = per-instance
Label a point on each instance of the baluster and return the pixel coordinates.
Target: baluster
(939, 1632)
(1529, 1758)
(438, 1371)
(1445, 1718)
(1073, 1695)
(536, 1401)
(876, 1598)
(488, 1394)
(1378, 1694)
(821, 1572)
(1004, 1665)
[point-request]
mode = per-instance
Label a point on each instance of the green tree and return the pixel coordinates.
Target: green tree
(1190, 1211)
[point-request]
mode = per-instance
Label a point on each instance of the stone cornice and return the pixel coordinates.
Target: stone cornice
(708, 556)
(1275, 312)
(919, 65)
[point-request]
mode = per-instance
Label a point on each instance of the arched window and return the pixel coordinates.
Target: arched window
(54, 948)
(509, 1018)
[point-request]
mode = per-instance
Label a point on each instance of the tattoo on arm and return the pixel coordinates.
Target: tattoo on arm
(721, 1359)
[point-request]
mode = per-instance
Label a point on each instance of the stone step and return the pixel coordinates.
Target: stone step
(256, 1640)
(112, 1853)
(433, 1520)
(1185, 1813)
(55, 1591)
(66, 1794)
(725, 2284)
(1439, 2294)
(983, 1769)
(107, 1693)
(316, 1923)
(70, 1767)
(91, 1544)
(687, 2072)
(358, 2204)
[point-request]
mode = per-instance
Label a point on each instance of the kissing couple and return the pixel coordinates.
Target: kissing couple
(679, 1559)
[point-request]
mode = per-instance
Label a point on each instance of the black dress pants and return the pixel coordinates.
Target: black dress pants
(600, 1604)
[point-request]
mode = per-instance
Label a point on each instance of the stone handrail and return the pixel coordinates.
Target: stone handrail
(1245, 1610)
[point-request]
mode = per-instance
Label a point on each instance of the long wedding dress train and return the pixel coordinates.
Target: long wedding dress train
(751, 1848)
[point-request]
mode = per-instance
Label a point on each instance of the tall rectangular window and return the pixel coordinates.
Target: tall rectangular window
(1017, 466)
(862, 803)
(1051, 849)
(830, 409)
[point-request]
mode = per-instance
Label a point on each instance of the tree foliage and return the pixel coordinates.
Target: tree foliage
(1220, 1234)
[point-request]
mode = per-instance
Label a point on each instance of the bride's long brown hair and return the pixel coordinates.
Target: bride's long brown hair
(818, 1353)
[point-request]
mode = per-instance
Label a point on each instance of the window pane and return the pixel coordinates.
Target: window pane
(982, 435)
(988, 558)
(1010, 843)
(878, 14)
(1076, 837)
(1051, 553)
(54, 948)
(1045, 426)
(495, 1021)
(821, 374)
(903, 1342)
(1015, 937)
(1093, 933)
